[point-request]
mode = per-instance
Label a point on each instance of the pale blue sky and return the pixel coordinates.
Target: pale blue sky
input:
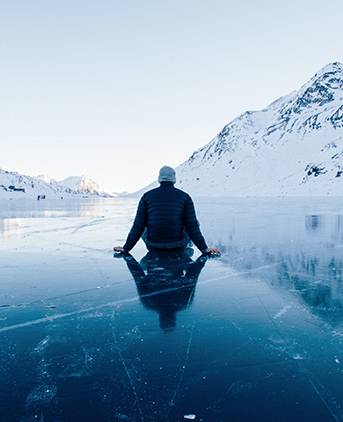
(115, 89)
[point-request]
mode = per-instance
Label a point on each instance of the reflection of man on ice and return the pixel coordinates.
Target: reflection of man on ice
(166, 282)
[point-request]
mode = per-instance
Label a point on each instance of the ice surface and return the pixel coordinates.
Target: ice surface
(257, 333)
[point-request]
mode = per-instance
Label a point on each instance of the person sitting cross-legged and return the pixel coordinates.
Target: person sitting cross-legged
(166, 219)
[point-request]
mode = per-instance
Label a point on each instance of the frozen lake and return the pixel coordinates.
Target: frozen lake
(255, 335)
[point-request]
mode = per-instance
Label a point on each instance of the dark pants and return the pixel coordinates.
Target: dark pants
(183, 244)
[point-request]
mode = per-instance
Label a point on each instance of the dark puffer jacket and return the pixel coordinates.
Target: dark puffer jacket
(168, 214)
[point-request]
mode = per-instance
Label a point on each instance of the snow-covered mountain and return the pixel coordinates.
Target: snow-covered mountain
(80, 184)
(292, 147)
(14, 185)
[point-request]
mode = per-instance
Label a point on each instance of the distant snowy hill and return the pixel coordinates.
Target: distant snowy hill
(80, 184)
(14, 185)
(292, 147)
(120, 194)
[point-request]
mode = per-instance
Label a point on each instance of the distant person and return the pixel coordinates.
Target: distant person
(166, 219)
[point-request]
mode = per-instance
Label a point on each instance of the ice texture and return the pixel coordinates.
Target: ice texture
(86, 336)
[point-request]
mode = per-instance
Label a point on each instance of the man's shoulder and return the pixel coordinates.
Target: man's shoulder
(151, 192)
(156, 191)
(182, 192)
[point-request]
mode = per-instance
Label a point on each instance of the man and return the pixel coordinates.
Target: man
(166, 219)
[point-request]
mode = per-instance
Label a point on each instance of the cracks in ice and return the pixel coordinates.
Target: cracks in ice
(136, 298)
(89, 224)
(88, 248)
(43, 394)
(185, 362)
(46, 301)
(324, 395)
(282, 311)
(75, 228)
(127, 372)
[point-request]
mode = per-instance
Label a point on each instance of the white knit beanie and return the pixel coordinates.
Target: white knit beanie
(167, 174)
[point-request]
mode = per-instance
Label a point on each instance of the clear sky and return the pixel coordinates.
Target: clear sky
(115, 89)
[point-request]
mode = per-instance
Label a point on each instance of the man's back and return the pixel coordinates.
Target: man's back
(166, 219)
(165, 208)
(168, 214)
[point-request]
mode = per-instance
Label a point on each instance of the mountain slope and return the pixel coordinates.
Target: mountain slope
(292, 147)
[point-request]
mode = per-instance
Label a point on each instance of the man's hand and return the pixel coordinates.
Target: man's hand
(119, 249)
(212, 252)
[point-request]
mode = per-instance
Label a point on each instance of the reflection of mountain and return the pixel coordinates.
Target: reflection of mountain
(23, 215)
(309, 264)
(319, 222)
(10, 225)
(166, 283)
(317, 280)
(319, 285)
(49, 209)
(313, 222)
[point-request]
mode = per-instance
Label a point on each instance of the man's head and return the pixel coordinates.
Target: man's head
(167, 174)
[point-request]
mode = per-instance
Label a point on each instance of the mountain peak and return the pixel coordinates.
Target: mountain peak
(333, 67)
(325, 87)
(294, 146)
(80, 184)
